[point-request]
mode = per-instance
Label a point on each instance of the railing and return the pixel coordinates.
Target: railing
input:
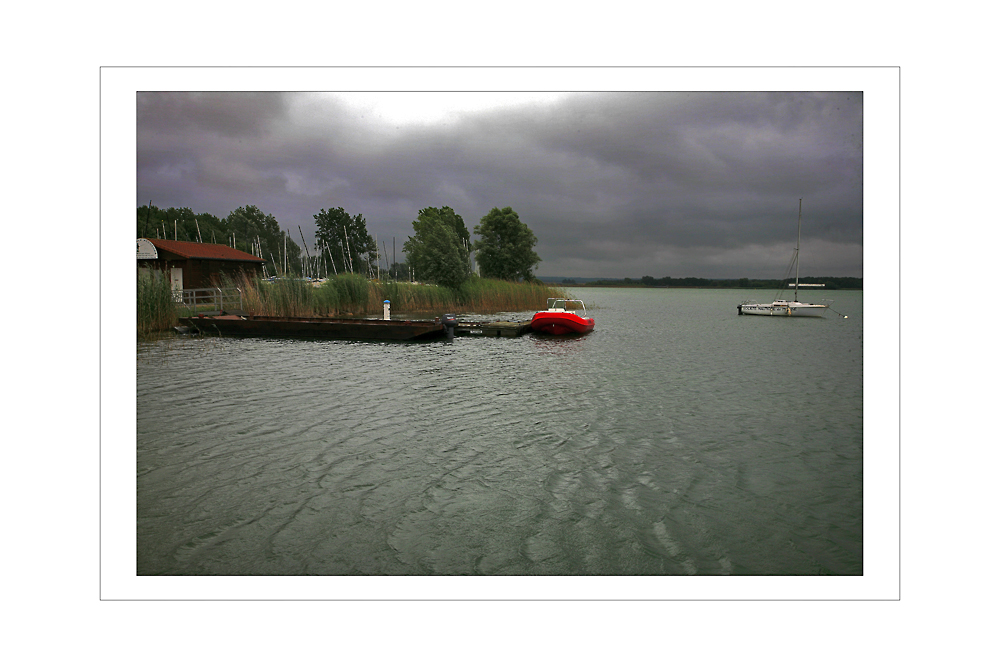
(212, 299)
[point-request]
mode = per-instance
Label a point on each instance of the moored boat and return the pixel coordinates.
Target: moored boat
(561, 318)
(785, 308)
(781, 307)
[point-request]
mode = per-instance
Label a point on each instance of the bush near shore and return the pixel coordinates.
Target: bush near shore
(352, 295)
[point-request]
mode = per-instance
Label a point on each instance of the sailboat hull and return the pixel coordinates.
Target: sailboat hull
(783, 309)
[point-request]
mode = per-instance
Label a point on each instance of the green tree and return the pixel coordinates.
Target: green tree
(438, 251)
(400, 271)
(448, 216)
(259, 234)
(441, 236)
(505, 248)
(351, 247)
(156, 223)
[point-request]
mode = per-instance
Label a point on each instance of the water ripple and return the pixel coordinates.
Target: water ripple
(641, 448)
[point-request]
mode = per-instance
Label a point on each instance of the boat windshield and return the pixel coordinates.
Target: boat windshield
(566, 305)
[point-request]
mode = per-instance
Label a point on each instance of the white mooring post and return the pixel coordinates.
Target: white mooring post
(385, 309)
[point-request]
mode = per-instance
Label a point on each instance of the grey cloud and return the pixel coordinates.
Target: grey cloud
(235, 115)
(637, 183)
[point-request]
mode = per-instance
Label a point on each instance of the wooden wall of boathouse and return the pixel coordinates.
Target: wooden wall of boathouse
(200, 264)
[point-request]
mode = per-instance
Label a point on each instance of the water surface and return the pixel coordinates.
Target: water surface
(677, 438)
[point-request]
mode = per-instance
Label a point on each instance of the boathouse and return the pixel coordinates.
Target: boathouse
(194, 265)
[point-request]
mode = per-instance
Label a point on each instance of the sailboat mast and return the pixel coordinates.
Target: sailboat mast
(798, 242)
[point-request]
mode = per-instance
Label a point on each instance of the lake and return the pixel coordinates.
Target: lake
(677, 438)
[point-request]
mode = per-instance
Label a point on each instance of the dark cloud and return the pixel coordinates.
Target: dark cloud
(613, 184)
(235, 115)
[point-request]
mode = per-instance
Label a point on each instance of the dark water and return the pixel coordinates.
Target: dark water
(677, 438)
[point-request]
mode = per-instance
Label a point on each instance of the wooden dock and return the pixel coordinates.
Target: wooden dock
(231, 323)
(244, 324)
(493, 329)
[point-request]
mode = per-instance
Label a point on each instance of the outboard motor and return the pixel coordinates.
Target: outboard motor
(450, 322)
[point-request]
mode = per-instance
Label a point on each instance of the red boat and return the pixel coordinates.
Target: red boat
(561, 319)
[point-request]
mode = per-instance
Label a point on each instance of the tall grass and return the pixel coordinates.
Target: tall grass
(155, 308)
(414, 298)
(348, 295)
(289, 298)
(479, 295)
(355, 295)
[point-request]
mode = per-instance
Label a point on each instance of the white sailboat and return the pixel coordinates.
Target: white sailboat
(781, 307)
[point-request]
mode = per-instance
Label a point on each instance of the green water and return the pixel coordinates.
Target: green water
(677, 438)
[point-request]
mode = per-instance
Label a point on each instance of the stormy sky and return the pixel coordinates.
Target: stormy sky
(614, 184)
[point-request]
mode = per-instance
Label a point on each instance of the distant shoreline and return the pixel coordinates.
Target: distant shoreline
(640, 285)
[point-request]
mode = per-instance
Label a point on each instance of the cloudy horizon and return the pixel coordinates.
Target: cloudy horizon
(613, 185)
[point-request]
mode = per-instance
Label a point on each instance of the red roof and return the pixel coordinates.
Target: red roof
(191, 250)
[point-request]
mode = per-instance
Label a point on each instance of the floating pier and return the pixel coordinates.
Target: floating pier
(243, 324)
(240, 323)
(493, 329)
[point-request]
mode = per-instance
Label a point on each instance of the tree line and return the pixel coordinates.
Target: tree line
(734, 283)
(247, 228)
(439, 251)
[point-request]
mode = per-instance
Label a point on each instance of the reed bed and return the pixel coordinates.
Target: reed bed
(346, 295)
(355, 295)
(155, 307)
(288, 298)
(480, 295)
